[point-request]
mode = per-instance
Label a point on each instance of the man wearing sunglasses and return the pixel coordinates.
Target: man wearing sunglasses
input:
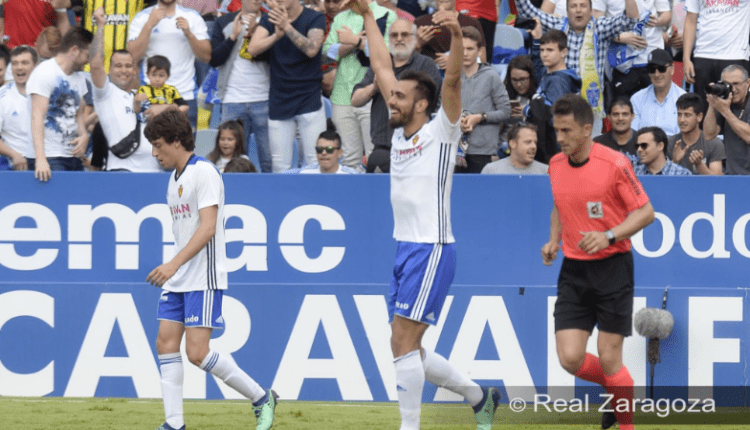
(328, 150)
(656, 105)
(652, 150)
(731, 117)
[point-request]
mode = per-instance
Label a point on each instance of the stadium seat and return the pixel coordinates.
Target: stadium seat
(205, 141)
(507, 44)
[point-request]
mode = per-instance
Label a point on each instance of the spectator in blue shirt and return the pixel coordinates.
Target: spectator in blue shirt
(656, 105)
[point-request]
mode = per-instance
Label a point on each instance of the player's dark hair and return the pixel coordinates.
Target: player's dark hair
(556, 37)
(331, 135)
(472, 33)
(690, 100)
(237, 128)
(620, 101)
(172, 126)
(426, 88)
(22, 49)
(521, 62)
(659, 136)
(516, 128)
(5, 55)
(158, 62)
(575, 105)
(76, 36)
(240, 165)
(122, 52)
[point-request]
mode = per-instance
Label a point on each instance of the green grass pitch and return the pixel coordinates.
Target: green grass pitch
(131, 414)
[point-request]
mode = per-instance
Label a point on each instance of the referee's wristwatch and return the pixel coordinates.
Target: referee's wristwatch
(610, 236)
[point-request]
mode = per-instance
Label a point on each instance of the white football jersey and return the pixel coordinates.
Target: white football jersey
(198, 186)
(421, 180)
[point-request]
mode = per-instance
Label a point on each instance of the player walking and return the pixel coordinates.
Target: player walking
(195, 279)
(423, 157)
(598, 205)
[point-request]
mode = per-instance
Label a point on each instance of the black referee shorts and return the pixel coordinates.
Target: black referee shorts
(596, 292)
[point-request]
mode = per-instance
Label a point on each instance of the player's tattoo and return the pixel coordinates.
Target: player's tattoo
(310, 45)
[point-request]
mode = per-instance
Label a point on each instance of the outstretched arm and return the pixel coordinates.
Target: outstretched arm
(451, 90)
(98, 74)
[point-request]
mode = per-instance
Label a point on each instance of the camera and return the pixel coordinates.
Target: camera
(719, 89)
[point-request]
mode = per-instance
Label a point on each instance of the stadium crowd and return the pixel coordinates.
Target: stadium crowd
(667, 80)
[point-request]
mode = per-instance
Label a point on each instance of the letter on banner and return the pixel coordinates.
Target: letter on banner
(27, 304)
(92, 364)
(344, 367)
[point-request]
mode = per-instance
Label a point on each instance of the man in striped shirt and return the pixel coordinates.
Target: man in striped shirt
(194, 280)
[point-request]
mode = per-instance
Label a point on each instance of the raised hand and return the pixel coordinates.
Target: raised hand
(99, 17)
(696, 157)
(679, 151)
(425, 33)
(448, 19)
(156, 15)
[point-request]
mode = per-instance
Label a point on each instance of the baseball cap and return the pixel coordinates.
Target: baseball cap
(659, 57)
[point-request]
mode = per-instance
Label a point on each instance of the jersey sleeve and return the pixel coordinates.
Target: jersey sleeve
(445, 128)
(103, 93)
(208, 188)
(629, 188)
(198, 27)
(136, 25)
(693, 6)
(38, 82)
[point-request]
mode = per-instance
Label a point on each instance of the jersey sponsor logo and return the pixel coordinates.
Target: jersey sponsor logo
(179, 191)
(118, 19)
(405, 154)
(180, 211)
(595, 210)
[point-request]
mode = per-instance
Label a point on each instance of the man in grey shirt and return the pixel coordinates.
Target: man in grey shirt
(689, 148)
(522, 142)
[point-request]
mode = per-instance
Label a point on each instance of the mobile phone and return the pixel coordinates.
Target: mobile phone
(514, 103)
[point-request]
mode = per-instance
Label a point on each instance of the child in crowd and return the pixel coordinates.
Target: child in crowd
(158, 92)
(548, 52)
(230, 144)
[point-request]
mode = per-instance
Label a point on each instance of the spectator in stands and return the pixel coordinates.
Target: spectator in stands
(722, 40)
(656, 105)
(328, 150)
(652, 150)
(244, 81)
(240, 165)
(4, 63)
(229, 144)
(588, 35)
(113, 100)
(689, 148)
(637, 78)
(485, 103)
(484, 11)
(548, 51)
(24, 20)
(521, 83)
(434, 41)
(48, 43)
(294, 35)
(15, 110)
(622, 136)
(402, 43)
(178, 33)
(392, 5)
(522, 143)
(731, 117)
(332, 8)
(157, 92)
(57, 87)
(346, 44)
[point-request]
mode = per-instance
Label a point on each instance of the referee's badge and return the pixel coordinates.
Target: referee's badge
(179, 192)
(595, 210)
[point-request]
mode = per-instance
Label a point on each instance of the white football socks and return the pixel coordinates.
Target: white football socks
(227, 370)
(440, 372)
(409, 382)
(171, 387)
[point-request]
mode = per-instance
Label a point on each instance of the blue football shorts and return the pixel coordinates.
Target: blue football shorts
(192, 309)
(422, 275)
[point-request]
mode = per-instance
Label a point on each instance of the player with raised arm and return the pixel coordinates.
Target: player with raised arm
(194, 280)
(598, 205)
(423, 157)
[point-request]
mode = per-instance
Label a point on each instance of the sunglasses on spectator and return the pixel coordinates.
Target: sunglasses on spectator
(327, 149)
(642, 146)
(402, 35)
(652, 69)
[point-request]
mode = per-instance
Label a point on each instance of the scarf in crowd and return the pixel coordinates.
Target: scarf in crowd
(591, 87)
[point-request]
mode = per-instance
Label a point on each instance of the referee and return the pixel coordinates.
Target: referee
(598, 205)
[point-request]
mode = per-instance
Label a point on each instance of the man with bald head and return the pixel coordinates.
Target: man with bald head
(402, 44)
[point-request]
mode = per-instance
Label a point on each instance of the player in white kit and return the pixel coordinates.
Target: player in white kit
(195, 279)
(423, 157)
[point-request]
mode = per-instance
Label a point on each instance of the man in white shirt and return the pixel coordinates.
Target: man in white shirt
(719, 41)
(423, 157)
(57, 87)
(178, 33)
(656, 105)
(113, 101)
(15, 110)
(328, 150)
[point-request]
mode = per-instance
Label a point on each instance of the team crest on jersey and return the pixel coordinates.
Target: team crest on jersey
(414, 141)
(179, 191)
(595, 210)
